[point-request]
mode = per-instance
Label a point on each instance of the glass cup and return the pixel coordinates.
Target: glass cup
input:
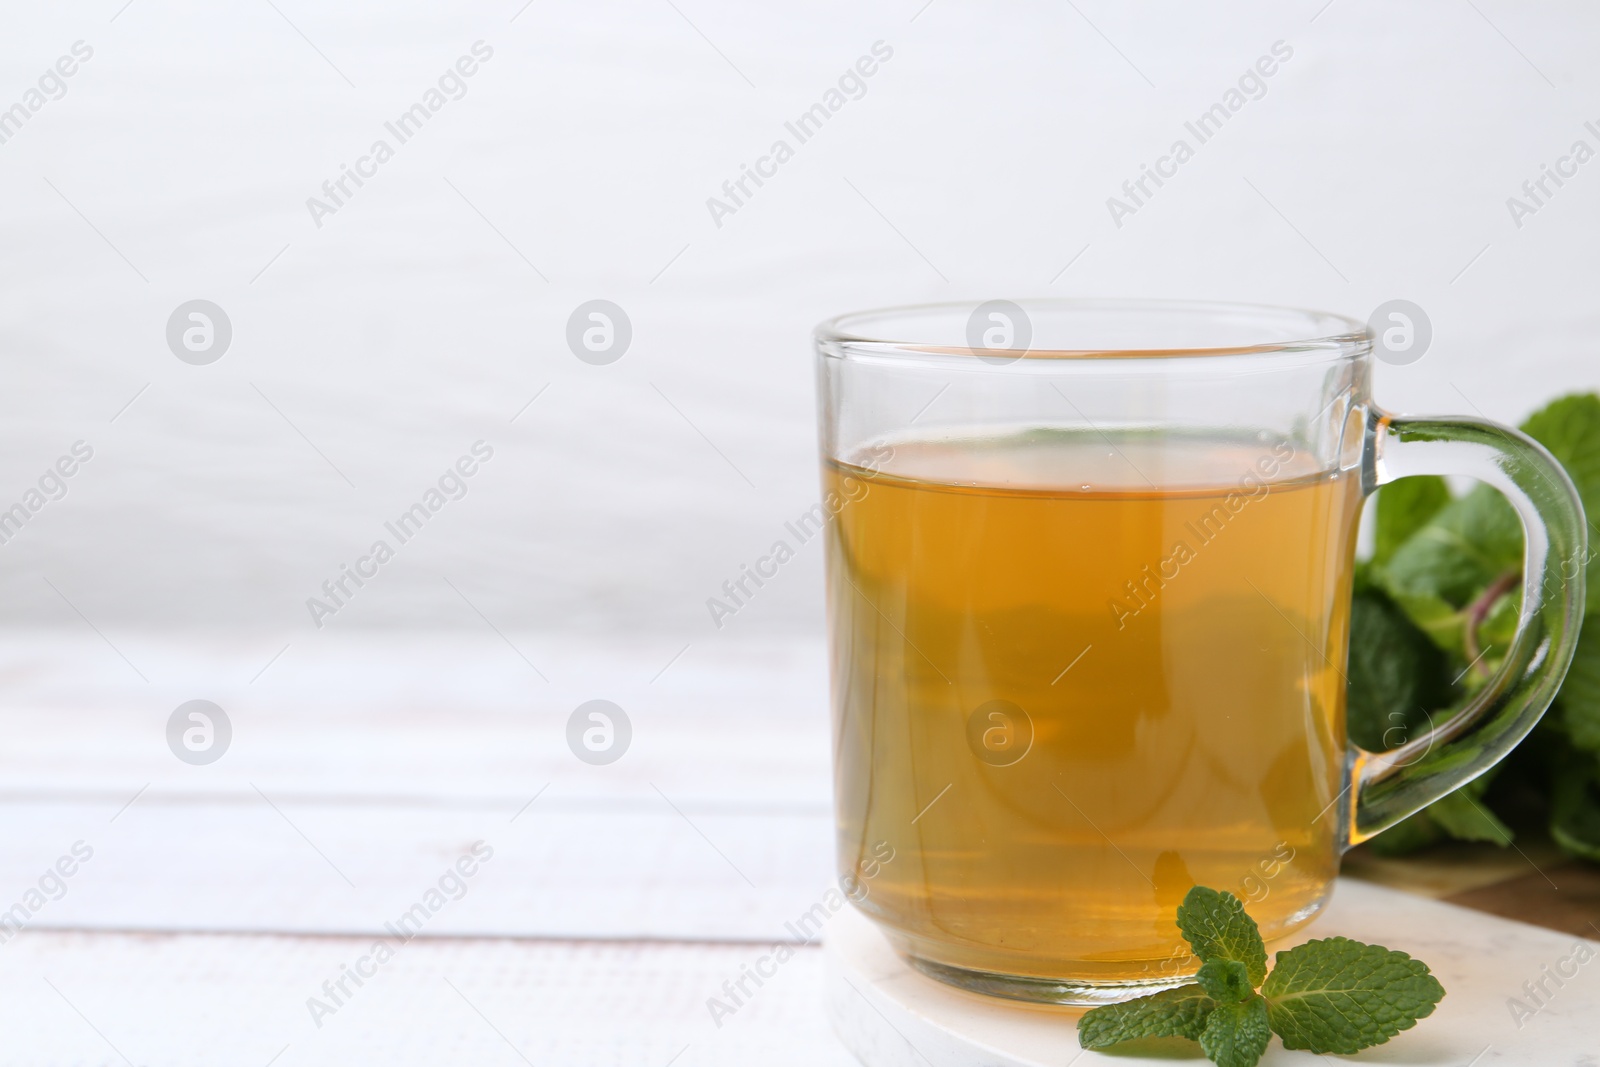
(1089, 577)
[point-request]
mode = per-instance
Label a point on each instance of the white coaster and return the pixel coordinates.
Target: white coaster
(890, 1015)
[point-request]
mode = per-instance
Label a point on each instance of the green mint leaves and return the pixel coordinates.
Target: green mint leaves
(1432, 618)
(1180, 1012)
(1237, 1034)
(1340, 996)
(1333, 995)
(1217, 928)
(1227, 981)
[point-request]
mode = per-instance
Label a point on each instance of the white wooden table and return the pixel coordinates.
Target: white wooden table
(219, 898)
(617, 900)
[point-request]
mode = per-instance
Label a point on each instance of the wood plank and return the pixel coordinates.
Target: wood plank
(180, 1000)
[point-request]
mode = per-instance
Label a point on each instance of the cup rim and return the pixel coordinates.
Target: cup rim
(1339, 336)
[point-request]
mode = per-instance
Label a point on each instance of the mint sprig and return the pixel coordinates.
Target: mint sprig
(1331, 995)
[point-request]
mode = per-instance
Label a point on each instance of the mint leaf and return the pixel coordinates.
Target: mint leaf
(1403, 508)
(1575, 804)
(1580, 693)
(1217, 928)
(1570, 429)
(1407, 836)
(1237, 1034)
(1179, 1012)
(1396, 675)
(1465, 817)
(1457, 553)
(1225, 981)
(1499, 626)
(1341, 996)
(1435, 616)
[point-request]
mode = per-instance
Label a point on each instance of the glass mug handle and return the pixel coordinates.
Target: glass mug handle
(1391, 785)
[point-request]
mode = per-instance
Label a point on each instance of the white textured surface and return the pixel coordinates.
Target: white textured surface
(202, 1001)
(358, 771)
(892, 1016)
(386, 757)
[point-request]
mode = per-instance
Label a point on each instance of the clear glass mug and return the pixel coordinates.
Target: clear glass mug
(1089, 579)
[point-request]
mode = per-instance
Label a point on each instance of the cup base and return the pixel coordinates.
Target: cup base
(1043, 990)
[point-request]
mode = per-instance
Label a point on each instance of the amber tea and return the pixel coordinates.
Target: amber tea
(1075, 675)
